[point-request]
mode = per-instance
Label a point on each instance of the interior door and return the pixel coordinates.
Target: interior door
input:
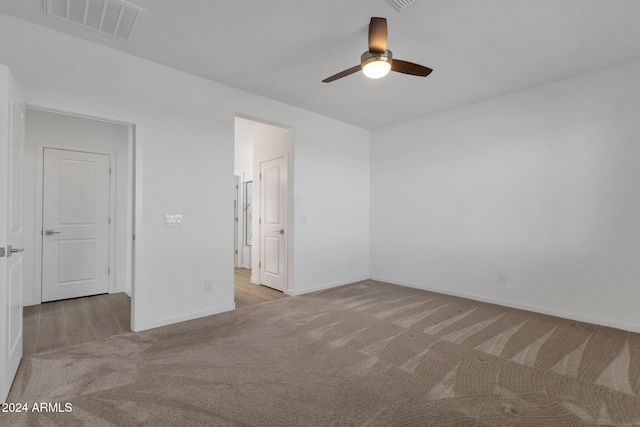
(11, 230)
(75, 224)
(273, 220)
(236, 214)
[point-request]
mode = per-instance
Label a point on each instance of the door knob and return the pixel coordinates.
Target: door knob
(282, 231)
(11, 250)
(51, 232)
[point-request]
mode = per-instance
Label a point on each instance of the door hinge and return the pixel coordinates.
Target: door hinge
(260, 175)
(134, 237)
(259, 220)
(3, 252)
(108, 270)
(259, 264)
(236, 251)
(109, 220)
(109, 171)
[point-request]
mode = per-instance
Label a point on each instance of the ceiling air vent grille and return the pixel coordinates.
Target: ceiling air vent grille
(116, 18)
(401, 4)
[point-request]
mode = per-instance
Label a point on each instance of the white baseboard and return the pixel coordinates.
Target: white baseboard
(182, 318)
(295, 292)
(121, 290)
(513, 304)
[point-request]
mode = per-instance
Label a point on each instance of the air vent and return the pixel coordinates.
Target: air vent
(401, 4)
(116, 18)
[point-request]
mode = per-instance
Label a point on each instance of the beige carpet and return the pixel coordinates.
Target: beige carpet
(366, 354)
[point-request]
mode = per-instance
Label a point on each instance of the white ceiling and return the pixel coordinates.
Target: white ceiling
(282, 49)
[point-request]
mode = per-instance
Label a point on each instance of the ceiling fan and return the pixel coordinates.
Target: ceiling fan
(378, 61)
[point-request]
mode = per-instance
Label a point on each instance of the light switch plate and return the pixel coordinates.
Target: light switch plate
(173, 220)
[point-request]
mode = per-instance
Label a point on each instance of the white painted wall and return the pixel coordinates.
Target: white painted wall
(184, 165)
(331, 201)
(540, 185)
(58, 130)
(244, 134)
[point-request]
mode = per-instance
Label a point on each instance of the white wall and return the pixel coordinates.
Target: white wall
(244, 134)
(184, 159)
(540, 185)
(58, 130)
(331, 202)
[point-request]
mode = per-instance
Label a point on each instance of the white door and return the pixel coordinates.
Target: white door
(273, 220)
(75, 224)
(236, 225)
(11, 232)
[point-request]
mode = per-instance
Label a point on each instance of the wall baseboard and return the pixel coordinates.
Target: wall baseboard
(120, 290)
(177, 319)
(512, 304)
(323, 287)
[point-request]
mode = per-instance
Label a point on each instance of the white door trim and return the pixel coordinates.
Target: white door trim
(40, 147)
(237, 221)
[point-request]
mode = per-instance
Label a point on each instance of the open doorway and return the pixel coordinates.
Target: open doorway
(79, 197)
(263, 183)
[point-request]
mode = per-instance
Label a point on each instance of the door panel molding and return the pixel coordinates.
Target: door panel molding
(39, 230)
(11, 229)
(274, 222)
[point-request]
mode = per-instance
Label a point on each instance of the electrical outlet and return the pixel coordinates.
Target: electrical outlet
(502, 279)
(207, 285)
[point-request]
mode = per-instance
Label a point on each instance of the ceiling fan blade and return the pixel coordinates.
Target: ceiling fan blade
(378, 35)
(410, 68)
(342, 74)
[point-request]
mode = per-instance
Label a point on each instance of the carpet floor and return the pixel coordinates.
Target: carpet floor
(369, 354)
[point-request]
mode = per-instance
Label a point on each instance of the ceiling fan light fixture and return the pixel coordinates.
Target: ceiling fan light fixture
(378, 61)
(376, 65)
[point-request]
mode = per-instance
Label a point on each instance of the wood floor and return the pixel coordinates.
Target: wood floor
(53, 325)
(246, 293)
(58, 324)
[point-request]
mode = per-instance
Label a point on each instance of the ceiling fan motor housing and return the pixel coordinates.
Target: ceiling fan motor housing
(369, 57)
(375, 64)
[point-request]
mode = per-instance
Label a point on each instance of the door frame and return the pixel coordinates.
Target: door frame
(284, 145)
(237, 230)
(134, 185)
(38, 246)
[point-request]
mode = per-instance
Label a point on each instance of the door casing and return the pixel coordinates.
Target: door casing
(39, 209)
